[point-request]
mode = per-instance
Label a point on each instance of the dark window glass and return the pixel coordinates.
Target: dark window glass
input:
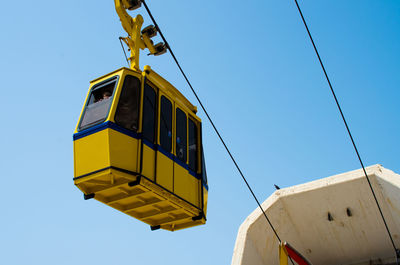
(203, 167)
(98, 104)
(127, 113)
(166, 124)
(181, 135)
(149, 114)
(192, 145)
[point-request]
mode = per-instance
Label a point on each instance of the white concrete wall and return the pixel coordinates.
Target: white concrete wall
(300, 216)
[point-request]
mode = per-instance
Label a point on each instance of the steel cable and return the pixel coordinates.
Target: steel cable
(123, 49)
(349, 133)
(210, 120)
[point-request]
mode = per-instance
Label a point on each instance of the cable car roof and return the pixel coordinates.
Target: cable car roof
(108, 74)
(158, 81)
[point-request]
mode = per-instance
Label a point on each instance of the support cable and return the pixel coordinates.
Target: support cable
(350, 135)
(126, 57)
(212, 123)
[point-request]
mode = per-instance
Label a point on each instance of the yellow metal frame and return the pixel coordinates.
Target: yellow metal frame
(295, 256)
(283, 255)
(136, 41)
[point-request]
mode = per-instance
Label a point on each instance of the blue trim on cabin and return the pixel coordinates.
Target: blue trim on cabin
(191, 172)
(124, 131)
(181, 163)
(103, 126)
(150, 144)
(91, 130)
(155, 147)
(164, 152)
(117, 168)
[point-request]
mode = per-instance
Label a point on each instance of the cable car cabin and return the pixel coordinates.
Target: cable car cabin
(138, 149)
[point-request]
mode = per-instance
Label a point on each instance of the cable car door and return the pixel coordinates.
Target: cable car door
(165, 158)
(186, 185)
(148, 148)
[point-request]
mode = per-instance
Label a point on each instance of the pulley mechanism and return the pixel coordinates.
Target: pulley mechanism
(132, 4)
(137, 39)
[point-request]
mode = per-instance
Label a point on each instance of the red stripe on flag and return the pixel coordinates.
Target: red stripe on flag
(296, 256)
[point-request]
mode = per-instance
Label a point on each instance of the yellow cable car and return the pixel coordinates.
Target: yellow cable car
(138, 144)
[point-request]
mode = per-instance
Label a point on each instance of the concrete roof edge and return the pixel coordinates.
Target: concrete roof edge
(373, 170)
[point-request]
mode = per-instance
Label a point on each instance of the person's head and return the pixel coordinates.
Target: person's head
(106, 94)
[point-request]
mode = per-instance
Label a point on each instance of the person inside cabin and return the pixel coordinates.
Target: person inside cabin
(179, 150)
(103, 96)
(127, 117)
(127, 112)
(106, 95)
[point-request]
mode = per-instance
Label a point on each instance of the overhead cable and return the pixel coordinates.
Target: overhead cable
(350, 135)
(209, 118)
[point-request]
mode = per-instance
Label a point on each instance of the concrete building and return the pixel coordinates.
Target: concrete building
(330, 221)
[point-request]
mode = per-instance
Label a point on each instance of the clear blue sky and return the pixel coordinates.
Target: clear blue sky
(252, 65)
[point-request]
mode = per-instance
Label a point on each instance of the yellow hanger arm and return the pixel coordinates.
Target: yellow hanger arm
(132, 26)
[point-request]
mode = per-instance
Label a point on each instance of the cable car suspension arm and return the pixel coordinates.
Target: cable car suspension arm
(137, 39)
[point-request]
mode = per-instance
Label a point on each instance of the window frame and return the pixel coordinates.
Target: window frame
(186, 134)
(146, 82)
(198, 144)
(91, 90)
(161, 95)
(139, 109)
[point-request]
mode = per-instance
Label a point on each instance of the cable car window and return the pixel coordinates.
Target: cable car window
(98, 104)
(127, 113)
(203, 167)
(181, 135)
(192, 145)
(166, 124)
(149, 114)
